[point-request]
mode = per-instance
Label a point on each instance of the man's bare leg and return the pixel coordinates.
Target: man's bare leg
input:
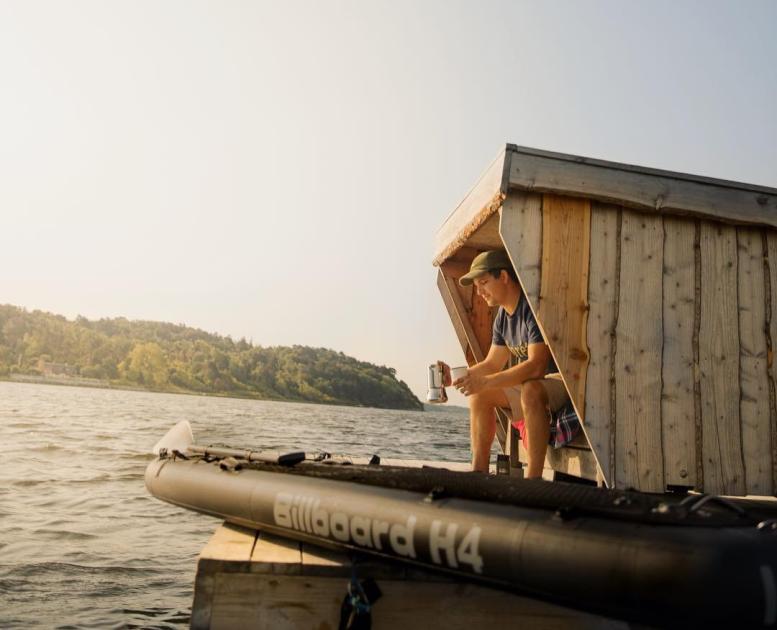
(534, 401)
(482, 425)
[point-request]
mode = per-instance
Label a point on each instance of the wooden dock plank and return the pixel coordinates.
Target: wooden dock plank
(719, 362)
(677, 403)
(325, 562)
(639, 332)
(754, 377)
(273, 554)
(278, 599)
(294, 602)
(229, 549)
(230, 543)
(602, 288)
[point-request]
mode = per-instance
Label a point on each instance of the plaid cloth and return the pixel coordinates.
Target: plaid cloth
(564, 426)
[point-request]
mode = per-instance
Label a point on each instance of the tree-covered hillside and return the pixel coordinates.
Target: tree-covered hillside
(168, 357)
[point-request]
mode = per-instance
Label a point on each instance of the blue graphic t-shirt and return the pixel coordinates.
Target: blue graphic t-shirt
(517, 332)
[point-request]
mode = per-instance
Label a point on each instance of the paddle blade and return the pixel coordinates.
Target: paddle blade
(179, 438)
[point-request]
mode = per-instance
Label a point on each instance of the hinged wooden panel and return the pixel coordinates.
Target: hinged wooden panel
(472, 319)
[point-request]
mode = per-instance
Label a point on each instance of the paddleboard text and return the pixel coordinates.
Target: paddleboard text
(448, 544)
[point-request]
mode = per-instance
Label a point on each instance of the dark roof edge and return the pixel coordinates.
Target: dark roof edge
(709, 181)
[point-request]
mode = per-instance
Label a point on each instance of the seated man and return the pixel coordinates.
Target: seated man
(531, 387)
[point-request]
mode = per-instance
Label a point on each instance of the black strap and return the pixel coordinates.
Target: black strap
(356, 609)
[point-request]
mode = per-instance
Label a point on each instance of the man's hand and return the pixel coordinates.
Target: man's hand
(471, 384)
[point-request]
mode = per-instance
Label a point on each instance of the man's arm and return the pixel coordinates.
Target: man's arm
(533, 368)
(493, 363)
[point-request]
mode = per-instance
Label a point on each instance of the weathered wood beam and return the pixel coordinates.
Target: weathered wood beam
(645, 189)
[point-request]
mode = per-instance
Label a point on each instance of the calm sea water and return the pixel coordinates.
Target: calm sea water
(82, 544)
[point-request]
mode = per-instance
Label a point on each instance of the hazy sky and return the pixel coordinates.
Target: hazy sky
(278, 170)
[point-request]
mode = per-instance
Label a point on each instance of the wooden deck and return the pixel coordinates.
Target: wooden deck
(250, 579)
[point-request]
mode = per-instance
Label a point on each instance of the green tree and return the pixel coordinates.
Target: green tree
(146, 364)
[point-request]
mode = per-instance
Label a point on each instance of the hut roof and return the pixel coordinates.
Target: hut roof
(637, 187)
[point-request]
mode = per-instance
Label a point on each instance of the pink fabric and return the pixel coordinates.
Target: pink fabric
(519, 424)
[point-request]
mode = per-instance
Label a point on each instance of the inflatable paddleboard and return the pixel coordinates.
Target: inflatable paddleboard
(656, 559)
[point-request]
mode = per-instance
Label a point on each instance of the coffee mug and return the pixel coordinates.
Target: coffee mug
(458, 372)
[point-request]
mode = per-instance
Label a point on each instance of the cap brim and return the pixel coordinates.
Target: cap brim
(469, 278)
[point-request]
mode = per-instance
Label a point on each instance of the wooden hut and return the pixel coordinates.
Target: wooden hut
(655, 292)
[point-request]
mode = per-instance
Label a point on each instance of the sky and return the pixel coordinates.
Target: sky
(278, 170)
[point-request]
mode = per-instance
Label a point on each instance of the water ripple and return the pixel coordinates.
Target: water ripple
(85, 546)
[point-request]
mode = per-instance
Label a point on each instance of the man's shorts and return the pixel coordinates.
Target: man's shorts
(564, 423)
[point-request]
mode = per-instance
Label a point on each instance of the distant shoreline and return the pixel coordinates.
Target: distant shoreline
(94, 383)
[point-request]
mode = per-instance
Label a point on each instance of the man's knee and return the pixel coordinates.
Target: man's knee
(482, 402)
(533, 395)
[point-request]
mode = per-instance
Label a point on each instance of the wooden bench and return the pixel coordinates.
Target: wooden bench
(575, 459)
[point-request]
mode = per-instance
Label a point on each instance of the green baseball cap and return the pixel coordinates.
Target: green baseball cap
(485, 262)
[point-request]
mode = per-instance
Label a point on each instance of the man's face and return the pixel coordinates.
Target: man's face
(490, 289)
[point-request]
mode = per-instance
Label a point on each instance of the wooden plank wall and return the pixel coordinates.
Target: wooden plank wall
(603, 299)
(678, 411)
(754, 378)
(639, 335)
(681, 386)
(563, 305)
(719, 360)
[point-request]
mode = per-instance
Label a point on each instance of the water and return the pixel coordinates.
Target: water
(82, 544)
